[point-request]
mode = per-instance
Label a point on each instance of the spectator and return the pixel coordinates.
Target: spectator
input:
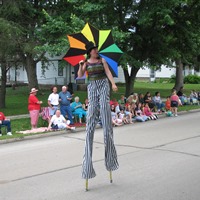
(182, 96)
(174, 103)
(122, 102)
(59, 122)
(148, 99)
(115, 120)
(193, 97)
(139, 116)
(168, 104)
(77, 109)
(128, 109)
(123, 117)
(148, 113)
(5, 122)
(116, 104)
(135, 98)
(70, 90)
(65, 97)
(85, 105)
(53, 101)
(158, 102)
(34, 107)
(141, 98)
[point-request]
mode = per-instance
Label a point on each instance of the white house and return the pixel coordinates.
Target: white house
(59, 75)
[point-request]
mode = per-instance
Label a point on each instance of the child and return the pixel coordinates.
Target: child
(122, 116)
(168, 107)
(168, 104)
(148, 113)
(115, 120)
(139, 115)
(174, 103)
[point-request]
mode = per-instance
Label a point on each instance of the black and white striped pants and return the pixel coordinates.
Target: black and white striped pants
(99, 97)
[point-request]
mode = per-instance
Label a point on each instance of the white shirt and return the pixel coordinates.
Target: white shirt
(57, 120)
(53, 98)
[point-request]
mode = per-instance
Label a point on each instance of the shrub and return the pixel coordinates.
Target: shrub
(192, 79)
(172, 79)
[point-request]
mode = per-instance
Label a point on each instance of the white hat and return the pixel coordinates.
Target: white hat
(33, 90)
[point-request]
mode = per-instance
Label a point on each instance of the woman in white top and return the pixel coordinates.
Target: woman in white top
(53, 101)
(59, 122)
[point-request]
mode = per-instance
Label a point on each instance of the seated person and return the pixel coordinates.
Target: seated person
(115, 119)
(139, 116)
(193, 97)
(148, 99)
(123, 116)
(85, 105)
(147, 111)
(122, 102)
(116, 104)
(168, 104)
(158, 102)
(141, 98)
(135, 98)
(59, 122)
(182, 97)
(77, 109)
(5, 122)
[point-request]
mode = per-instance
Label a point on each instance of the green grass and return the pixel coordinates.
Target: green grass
(17, 100)
(21, 125)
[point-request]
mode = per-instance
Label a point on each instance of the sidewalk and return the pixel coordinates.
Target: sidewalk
(18, 116)
(55, 133)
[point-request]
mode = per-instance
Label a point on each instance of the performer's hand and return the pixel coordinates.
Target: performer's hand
(114, 88)
(81, 62)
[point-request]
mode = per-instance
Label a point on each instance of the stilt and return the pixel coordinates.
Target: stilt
(111, 177)
(86, 185)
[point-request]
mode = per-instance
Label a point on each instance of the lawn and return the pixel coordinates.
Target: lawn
(17, 100)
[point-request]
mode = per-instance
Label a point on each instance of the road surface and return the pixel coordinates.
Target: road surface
(159, 160)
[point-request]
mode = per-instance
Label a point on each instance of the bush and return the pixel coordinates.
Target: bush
(172, 79)
(192, 79)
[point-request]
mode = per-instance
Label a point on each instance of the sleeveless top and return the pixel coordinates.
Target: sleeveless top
(95, 71)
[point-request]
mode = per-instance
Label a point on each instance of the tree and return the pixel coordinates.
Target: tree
(165, 31)
(31, 16)
(8, 53)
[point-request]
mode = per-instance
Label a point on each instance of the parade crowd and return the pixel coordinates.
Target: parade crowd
(64, 108)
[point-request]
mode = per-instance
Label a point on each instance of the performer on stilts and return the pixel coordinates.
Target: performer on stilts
(98, 89)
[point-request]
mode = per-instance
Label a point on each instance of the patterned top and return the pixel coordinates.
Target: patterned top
(95, 71)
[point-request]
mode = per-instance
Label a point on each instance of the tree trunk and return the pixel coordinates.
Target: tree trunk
(3, 86)
(179, 75)
(130, 80)
(31, 70)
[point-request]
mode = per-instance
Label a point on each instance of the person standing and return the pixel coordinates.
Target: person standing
(5, 122)
(174, 103)
(98, 96)
(34, 107)
(64, 98)
(53, 101)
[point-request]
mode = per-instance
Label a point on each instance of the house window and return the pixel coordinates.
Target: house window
(60, 68)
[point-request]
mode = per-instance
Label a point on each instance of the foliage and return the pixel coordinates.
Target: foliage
(164, 30)
(192, 79)
(172, 79)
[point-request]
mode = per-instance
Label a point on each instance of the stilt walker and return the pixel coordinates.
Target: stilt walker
(98, 88)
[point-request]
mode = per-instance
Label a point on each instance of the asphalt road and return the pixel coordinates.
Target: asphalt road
(159, 160)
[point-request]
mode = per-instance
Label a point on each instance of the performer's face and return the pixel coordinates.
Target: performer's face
(94, 53)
